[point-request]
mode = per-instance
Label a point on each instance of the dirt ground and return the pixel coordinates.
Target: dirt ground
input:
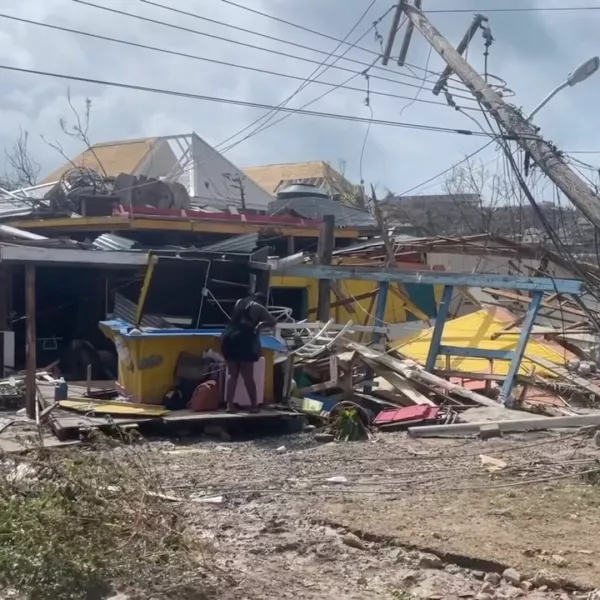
(403, 518)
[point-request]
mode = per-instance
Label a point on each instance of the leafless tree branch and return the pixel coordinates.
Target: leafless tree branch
(25, 169)
(78, 131)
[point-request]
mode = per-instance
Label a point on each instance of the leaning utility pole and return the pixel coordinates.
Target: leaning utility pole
(511, 120)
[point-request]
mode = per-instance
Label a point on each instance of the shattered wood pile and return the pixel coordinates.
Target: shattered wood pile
(556, 378)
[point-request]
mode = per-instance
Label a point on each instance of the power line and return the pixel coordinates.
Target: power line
(316, 73)
(448, 170)
(286, 116)
(207, 59)
(267, 36)
(581, 151)
(248, 104)
(255, 47)
(515, 9)
(291, 43)
(330, 37)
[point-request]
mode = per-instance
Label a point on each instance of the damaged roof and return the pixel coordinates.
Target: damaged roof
(240, 244)
(316, 207)
(273, 178)
(110, 157)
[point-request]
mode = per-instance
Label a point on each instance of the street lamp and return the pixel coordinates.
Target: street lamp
(581, 73)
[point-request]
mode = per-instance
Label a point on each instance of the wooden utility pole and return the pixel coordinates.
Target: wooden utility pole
(511, 121)
(325, 253)
(31, 359)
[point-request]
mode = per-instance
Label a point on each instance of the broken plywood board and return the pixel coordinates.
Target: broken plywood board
(397, 383)
(412, 371)
(478, 330)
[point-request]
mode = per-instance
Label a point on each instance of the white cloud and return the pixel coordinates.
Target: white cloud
(533, 52)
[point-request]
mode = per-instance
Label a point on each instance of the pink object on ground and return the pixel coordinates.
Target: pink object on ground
(241, 397)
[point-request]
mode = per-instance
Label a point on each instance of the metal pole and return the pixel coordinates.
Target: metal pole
(547, 99)
(512, 121)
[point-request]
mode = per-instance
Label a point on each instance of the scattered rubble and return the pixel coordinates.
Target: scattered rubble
(353, 541)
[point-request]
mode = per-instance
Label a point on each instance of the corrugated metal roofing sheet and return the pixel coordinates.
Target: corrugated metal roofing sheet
(21, 203)
(375, 243)
(316, 208)
(126, 309)
(241, 244)
(109, 241)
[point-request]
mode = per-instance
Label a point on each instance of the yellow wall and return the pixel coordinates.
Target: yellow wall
(149, 386)
(395, 311)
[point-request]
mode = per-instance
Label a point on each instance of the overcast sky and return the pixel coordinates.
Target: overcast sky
(533, 52)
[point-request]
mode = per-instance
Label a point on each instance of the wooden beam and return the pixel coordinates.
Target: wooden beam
(416, 373)
(326, 244)
(527, 300)
(409, 305)
(346, 302)
(480, 280)
(369, 312)
(72, 257)
(399, 383)
(31, 358)
(149, 223)
(506, 426)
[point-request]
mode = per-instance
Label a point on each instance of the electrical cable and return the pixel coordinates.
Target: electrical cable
(561, 248)
(448, 170)
(209, 60)
(416, 98)
(326, 36)
(268, 118)
(512, 10)
(247, 45)
(264, 127)
(231, 101)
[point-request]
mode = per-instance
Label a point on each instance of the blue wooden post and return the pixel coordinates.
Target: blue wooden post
(507, 387)
(438, 330)
(382, 295)
(384, 287)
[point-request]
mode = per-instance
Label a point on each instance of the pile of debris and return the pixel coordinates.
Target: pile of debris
(557, 385)
(12, 393)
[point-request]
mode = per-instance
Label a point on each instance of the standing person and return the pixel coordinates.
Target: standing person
(240, 345)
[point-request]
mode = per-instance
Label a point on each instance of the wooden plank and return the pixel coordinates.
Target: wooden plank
(353, 301)
(394, 275)
(412, 371)
(369, 312)
(402, 385)
(527, 300)
(508, 426)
